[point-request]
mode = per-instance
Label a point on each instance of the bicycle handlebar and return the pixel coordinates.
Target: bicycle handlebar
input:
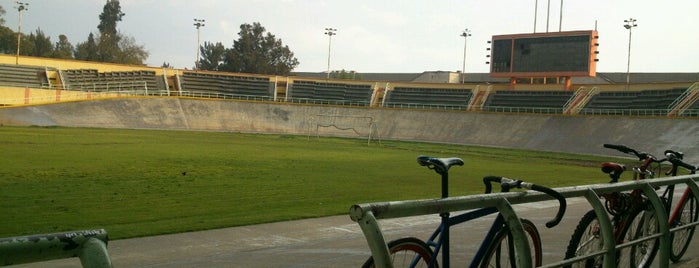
(676, 159)
(621, 148)
(506, 184)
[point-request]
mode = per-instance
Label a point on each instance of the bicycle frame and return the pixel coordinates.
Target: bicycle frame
(676, 212)
(668, 195)
(441, 234)
(439, 240)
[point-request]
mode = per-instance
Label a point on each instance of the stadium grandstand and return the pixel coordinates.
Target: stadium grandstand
(41, 80)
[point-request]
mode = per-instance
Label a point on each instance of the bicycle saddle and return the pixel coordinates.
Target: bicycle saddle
(614, 170)
(440, 165)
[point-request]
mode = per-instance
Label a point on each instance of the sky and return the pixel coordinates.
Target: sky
(385, 36)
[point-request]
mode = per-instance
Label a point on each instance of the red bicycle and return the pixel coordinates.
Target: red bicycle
(684, 212)
(632, 218)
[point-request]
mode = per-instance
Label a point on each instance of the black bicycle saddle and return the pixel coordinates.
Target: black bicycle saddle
(440, 165)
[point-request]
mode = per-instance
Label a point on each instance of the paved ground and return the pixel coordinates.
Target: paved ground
(323, 242)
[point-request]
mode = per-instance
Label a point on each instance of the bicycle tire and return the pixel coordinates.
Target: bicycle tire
(639, 223)
(586, 239)
(404, 251)
(682, 238)
(494, 255)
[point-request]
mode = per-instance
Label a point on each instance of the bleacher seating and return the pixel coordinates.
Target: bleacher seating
(22, 76)
(227, 85)
(334, 93)
(528, 101)
(92, 80)
(646, 102)
(428, 98)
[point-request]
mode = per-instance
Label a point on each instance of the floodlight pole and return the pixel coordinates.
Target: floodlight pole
(560, 20)
(536, 9)
(630, 23)
(20, 7)
(329, 32)
(198, 23)
(548, 12)
(465, 34)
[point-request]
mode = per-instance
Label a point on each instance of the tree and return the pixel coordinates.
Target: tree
(255, 52)
(2, 16)
(130, 52)
(211, 56)
(111, 15)
(87, 50)
(108, 45)
(346, 75)
(8, 41)
(63, 49)
(111, 45)
(41, 45)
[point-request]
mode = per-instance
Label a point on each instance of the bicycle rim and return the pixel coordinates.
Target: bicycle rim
(406, 252)
(501, 252)
(681, 238)
(586, 239)
(640, 223)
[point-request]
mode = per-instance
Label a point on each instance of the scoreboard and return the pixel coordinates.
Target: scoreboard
(544, 54)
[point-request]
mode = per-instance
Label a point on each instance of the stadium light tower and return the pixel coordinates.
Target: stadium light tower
(536, 11)
(465, 34)
(198, 23)
(560, 20)
(329, 32)
(20, 7)
(630, 24)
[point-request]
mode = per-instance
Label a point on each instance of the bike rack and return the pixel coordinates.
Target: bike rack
(367, 215)
(90, 246)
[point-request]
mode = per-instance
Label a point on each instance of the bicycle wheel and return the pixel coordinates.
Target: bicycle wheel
(682, 238)
(501, 252)
(586, 239)
(640, 223)
(406, 252)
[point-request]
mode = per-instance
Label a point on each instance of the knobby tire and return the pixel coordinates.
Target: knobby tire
(586, 239)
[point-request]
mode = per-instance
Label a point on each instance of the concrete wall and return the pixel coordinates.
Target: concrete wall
(576, 134)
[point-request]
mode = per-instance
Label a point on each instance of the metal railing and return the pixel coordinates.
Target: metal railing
(638, 112)
(426, 106)
(536, 110)
(110, 86)
(366, 215)
(328, 102)
(227, 96)
(90, 246)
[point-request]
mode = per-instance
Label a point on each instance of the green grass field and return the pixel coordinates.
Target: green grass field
(131, 182)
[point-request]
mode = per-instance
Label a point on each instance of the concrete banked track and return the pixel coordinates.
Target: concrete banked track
(575, 134)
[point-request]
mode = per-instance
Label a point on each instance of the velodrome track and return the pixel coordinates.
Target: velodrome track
(337, 241)
(575, 134)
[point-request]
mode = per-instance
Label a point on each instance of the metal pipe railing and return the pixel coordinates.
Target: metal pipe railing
(90, 246)
(366, 215)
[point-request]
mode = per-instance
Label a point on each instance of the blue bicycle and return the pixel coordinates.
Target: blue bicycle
(497, 248)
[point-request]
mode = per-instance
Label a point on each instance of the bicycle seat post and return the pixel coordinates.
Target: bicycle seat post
(445, 220)
(441, 166)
